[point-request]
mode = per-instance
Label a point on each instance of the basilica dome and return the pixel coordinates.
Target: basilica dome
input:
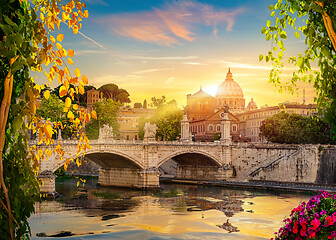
(252, 105)
(230, 94)
(229, 88)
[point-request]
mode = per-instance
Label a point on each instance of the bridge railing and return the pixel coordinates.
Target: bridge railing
(130, 142)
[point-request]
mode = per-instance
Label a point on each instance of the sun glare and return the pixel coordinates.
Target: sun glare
(212, 89)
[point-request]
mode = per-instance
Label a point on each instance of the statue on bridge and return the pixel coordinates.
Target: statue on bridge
(106, 132)
(150, 131)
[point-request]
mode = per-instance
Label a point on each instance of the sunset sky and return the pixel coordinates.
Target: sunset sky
(155, 47)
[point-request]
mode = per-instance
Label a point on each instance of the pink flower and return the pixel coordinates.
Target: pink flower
(329, 220)
(315, 223)
(332, 235)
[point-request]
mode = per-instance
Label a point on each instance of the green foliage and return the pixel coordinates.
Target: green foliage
(319, 48)
(167, 118)
(293, 128)
(23, 188)
(53, 109)
(107, 112)
(112, 91)
(217, 136)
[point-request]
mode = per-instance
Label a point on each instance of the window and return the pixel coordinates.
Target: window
(127, 137)
(210, 128)
(234, 127)
(218, 127)
(136, 137)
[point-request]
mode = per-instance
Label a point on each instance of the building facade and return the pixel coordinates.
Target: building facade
(251, 120)
(128, 120)
(204, 120)
(93, 96)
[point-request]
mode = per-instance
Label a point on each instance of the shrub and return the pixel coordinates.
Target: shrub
(315, 219)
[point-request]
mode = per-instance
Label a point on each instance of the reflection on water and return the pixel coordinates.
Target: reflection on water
(175, 212)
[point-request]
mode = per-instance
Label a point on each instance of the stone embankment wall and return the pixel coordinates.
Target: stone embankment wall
(276, 162)
(326, 173)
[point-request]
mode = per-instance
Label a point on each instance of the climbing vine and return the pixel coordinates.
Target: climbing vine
(27, 44)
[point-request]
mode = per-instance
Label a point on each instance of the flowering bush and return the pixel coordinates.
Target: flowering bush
(315, 219)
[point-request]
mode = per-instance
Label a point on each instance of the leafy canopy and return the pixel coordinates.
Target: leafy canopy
(27, 44)
(316, 21)
(293, 128)
(112, 91)
(107, 112)
(167, 118)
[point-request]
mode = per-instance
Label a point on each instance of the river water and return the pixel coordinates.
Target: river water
(174, 212)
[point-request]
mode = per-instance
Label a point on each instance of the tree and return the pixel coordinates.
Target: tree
(167, 118)
(145, 104)
(293, 128)
(157, 102)
(318, 27)
(112, 91)
(26, 45)
(107, 113)
(51, 108)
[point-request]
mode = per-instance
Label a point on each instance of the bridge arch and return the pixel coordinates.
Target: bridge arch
(106, 159)
(193, 157)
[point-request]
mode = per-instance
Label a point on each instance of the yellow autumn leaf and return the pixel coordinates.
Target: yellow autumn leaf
(65, 16)
(70, 61)
(48, 131)
(70, 115)
(86, 13)
(62, 91)
(77, 72)
(47, 94)
(52, 39)
(75, 106)
(94, 114)
(81, 89)
(87, 117)
(32, 107)
(64, 52)
(71, 52)
(67, 102)
(59, 46)
(85, 80)
(60, 37)
(75, 29)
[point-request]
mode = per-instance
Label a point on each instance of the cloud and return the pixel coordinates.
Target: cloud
(148, 70)
(170, 80)
(194, 63)
(171, 23)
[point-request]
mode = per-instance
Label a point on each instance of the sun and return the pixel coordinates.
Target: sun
(211, 89)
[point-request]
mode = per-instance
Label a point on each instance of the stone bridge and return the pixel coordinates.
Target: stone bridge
(135, 164)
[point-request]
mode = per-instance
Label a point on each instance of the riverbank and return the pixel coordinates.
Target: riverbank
(259, 185)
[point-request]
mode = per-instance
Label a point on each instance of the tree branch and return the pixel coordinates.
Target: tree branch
(328, 25)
